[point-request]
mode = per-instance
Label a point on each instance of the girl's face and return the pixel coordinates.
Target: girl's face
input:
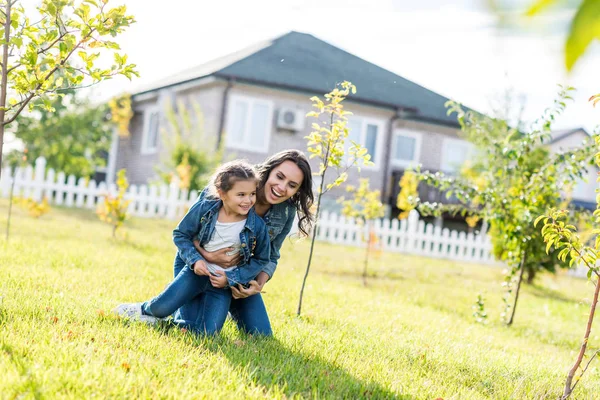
(284, 181)
(241, 197)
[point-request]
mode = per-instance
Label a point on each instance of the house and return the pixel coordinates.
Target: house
(259, 97)
(584, 193)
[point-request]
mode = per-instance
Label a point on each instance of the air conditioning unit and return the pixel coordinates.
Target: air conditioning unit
(291, 119)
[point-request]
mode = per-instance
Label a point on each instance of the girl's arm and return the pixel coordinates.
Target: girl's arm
(185, 233)
(263, 277)
(258, 261)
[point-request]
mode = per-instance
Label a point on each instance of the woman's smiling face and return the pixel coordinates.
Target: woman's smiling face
(284, 181)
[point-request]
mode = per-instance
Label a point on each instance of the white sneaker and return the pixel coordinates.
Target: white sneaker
(133, 311)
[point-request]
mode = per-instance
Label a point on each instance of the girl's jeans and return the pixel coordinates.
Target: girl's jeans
(185, 287)
(206, 313)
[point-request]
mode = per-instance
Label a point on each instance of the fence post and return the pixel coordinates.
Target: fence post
(6, 181)
(411, 232)
(38, 184)
(173, 202)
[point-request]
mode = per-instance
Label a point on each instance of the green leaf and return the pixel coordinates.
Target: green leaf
(585, 27)
(538, 219)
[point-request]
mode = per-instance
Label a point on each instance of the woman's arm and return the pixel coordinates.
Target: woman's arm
(219, 257)
(276, 244)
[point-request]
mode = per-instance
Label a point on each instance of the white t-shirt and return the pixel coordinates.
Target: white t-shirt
(226, 234)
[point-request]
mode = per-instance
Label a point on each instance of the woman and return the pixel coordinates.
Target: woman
(284, 190)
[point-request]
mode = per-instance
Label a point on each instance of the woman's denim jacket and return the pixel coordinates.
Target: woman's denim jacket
(200, 222)
(279, 220)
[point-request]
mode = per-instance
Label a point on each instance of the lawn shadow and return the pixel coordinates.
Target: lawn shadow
(547, 293)
(270, 363)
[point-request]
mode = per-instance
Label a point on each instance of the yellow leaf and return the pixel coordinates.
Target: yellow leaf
(584, 29)
(539, 6)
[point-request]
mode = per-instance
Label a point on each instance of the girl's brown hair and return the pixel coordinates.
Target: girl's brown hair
(229, 173)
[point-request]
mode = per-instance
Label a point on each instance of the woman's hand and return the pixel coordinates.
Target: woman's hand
(218, 280)
(200, 268)
(219, 257)
(240, 292)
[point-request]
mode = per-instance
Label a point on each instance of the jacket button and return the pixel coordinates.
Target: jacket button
(243, 244)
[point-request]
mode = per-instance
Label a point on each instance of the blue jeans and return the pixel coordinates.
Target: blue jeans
(185, 287)
(207, 312)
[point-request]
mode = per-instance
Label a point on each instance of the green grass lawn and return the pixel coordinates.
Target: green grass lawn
(409, 334)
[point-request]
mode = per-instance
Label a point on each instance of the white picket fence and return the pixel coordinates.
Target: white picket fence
(410, 236)
(163, 201)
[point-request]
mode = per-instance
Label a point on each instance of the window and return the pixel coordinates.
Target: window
(367, 133)
(406, 148)
(249, 124)
(455, 153)
(151, 125)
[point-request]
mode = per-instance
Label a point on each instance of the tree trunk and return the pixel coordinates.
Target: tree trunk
(530, 275)
(312, 246)
(588, 329)
(514, 308)
(114, 231)
(4, 79)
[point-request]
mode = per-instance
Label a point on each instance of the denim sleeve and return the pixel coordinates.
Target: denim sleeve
(186, 231)
(276, 244)
(203, 194)
(257, 262)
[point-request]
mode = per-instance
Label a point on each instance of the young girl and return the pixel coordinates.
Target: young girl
(224, 220)
(284, 192)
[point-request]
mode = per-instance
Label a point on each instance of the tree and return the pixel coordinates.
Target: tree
(562, 237)
(327, 142)
(189, 154)
(364, 206)
(60, 48)
(518, 180)
(73, 138)
(113, 209)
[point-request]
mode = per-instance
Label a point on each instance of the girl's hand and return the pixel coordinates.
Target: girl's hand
(219, 257)
(240, 292)
(219, 281)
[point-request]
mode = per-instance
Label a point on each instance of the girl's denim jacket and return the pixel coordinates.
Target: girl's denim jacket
(200, 222)
(279, 220)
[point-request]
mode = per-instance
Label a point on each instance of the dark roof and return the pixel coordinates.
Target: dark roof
(559, 135)
(586, 205)
(299, 61)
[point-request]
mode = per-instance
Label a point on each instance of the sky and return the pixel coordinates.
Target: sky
(453, 48)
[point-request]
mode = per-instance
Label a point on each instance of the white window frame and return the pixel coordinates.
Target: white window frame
(417, 154)
(244, 145)
(446, 142)
(146, 149)
(364, 121)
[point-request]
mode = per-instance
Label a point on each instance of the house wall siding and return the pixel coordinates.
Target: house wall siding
(141, 168)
